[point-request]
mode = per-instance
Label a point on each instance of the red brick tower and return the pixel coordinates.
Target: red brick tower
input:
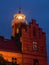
(19, 22)
(30, 39)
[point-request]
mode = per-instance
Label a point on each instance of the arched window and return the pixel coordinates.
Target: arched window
(35, 46)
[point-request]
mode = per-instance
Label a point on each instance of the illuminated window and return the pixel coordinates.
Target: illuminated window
(35, 46)
(36, 62)
(17, 30)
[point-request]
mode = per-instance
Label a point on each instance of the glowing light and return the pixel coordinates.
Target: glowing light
(8, 56)
(19, 16)
(17, 31)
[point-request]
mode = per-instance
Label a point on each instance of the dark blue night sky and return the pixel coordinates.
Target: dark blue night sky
(36, 9)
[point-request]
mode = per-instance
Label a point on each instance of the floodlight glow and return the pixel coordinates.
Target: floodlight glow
(19, 17)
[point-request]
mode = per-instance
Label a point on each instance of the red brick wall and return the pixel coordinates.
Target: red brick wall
(28, 38)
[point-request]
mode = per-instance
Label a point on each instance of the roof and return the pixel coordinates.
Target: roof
(8, 45)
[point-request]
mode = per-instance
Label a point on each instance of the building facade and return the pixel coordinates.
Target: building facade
(27, 45)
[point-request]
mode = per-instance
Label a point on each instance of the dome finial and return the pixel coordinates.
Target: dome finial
(19, 6)
(19, 11)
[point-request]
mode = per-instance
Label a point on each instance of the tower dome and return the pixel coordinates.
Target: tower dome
(19, 18)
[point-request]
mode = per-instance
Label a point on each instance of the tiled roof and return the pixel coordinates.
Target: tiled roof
(8, 45)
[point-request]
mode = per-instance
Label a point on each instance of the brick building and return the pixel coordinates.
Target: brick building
(27, 45)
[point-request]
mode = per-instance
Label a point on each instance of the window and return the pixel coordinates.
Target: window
(36, 62)
(35, 46)
(17, 30)
(34, 32)
(14, 60)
